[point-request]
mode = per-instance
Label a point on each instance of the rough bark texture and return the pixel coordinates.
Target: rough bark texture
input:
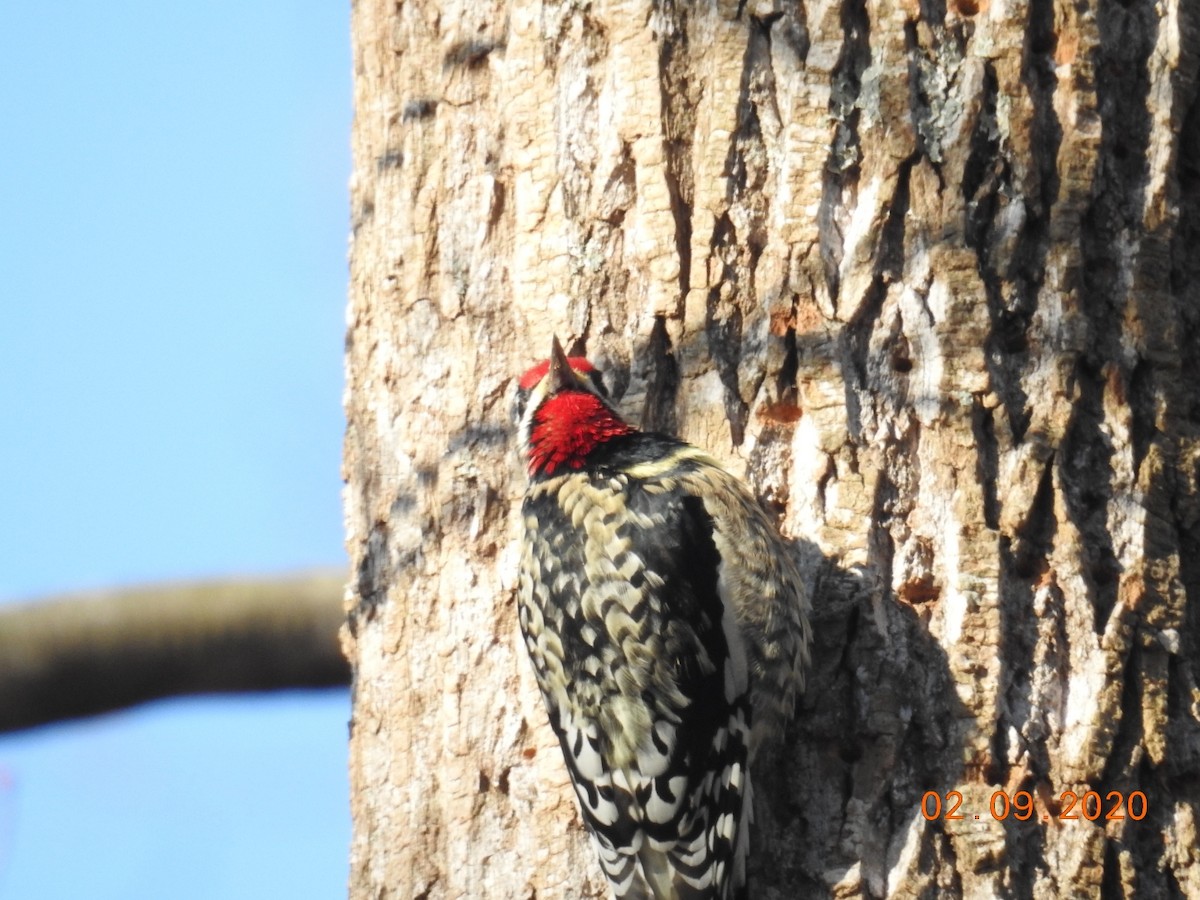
(83, 654)
(926, 274)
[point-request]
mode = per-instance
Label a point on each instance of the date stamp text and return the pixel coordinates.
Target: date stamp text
(1020, 805)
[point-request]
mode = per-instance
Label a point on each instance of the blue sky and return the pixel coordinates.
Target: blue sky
(172, 293)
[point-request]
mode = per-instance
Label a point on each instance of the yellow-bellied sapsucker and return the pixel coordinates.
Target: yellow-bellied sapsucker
(668, 628)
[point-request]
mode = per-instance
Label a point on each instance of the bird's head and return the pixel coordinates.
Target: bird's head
(563, 414)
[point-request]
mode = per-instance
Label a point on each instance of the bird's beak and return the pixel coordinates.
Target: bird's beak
(560, 373)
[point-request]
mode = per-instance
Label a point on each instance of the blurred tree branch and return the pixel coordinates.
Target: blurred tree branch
(83, 654)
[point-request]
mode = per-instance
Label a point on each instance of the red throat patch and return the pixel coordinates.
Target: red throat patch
(569, 426)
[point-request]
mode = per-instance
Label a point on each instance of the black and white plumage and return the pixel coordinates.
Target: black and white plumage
(668, 629)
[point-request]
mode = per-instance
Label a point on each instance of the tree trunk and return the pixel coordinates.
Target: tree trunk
(926, 275)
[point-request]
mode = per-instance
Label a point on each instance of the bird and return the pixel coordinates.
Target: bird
(668, 627)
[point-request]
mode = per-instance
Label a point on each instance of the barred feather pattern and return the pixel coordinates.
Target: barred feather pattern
(668, 630)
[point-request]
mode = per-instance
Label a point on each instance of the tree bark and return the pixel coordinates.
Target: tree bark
(925, 273)
(84, 654)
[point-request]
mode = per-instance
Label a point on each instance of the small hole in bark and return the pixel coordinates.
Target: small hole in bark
(780, 413)
(902, 364)
(418, 109)
(920, 590)
(469, 54)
